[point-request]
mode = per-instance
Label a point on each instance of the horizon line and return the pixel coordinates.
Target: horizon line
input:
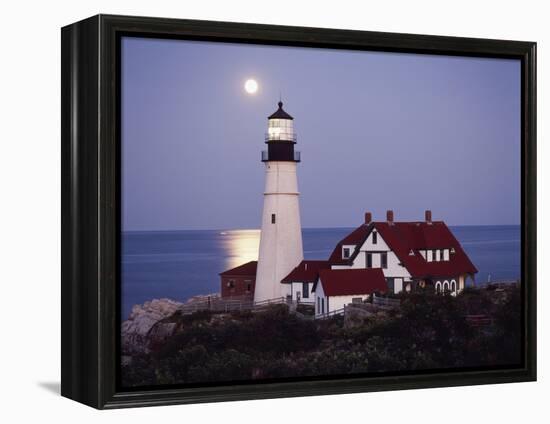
(303, 228)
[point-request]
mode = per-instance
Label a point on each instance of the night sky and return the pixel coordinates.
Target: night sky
(377, 131)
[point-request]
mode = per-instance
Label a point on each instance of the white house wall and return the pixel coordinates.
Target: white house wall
(298, 287)
(338, 302)
(334, 302)
(394, 270)
(380, 245)
(319, 294)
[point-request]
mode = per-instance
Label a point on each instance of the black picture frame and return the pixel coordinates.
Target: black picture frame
(90, 180)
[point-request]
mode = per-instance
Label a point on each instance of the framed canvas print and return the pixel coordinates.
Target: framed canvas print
(254, 211)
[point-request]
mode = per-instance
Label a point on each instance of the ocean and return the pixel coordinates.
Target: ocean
(181, 264)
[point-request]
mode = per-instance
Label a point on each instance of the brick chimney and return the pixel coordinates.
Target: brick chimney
(428, 216)
(389, 216)
(368, 218)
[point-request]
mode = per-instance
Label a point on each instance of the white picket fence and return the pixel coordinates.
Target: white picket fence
(217, 304)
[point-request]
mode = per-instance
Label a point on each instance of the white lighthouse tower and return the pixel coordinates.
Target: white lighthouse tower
(281, 238)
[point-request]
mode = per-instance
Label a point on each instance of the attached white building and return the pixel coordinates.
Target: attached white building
(299, 283)
(336, 288)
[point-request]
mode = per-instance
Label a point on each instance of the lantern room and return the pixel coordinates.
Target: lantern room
(280, 137)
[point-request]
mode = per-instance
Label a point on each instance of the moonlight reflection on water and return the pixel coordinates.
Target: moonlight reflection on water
(241, 246)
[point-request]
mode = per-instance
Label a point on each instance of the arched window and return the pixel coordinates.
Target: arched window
(453, 286)
(445, 286)
(438, 287)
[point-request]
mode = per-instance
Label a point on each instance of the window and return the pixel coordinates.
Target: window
(248, 286)
(434, 255)
(384, 260)
(318, 305)
(390, 282)
(231, 284)
(273, 218)
(346, 252)
(323, 305)
(369, 260)
(356, 300)
(374, 237)
(453, 286)
(305, 290)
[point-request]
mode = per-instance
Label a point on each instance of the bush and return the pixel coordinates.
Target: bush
(429, 331)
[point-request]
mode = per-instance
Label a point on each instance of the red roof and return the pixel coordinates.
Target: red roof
(247, 269)
(307, 271)
(356, 237)
(347, 282)
(402, 237)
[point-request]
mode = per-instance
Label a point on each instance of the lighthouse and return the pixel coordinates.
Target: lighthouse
(281, 236)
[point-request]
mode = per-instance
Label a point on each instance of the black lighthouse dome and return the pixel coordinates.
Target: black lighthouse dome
(280, 113)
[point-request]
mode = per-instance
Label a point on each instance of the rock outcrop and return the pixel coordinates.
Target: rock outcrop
(136, 337)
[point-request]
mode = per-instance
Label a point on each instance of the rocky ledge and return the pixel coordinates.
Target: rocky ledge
(136, 329)
(148, 324)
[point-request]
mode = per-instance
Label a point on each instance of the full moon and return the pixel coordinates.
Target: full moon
(251, 86)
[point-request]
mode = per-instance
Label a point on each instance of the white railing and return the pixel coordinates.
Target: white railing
(335, 312)
(385, 301)
(227, 305)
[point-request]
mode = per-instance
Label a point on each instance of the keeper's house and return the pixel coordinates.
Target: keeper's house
(410, 254)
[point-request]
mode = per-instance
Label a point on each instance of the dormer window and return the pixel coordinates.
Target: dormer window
(411, 252)
(345, 252)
